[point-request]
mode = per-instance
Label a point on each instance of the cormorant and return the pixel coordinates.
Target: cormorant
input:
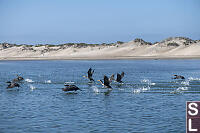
(112, 77)
(19, 78)
(70, 88)
(90, 73)
(106, 82)
(178, 77)
(12, 84)
(119, 77)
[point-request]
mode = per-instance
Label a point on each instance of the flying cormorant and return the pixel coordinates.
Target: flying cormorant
(90, 73)
(119, 77)
(106, 82)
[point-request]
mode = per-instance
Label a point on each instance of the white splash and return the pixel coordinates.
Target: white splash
(137, 91)
(145, 88)
(32, 87)
(176, 92)
(95, 89)
(47, 81)
(185, 82)
(69, 82)
(152, 83)
(148, 82)
(179, 90)
(182, 88)
(191, 78)
(29, 80)
(145, 80)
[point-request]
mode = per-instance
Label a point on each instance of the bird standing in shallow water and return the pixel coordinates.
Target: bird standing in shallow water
(90, 73)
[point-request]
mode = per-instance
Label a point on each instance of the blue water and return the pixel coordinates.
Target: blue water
(148, 101)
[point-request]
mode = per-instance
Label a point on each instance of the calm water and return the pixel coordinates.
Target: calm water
(148, 101)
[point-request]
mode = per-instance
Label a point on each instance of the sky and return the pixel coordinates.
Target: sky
(97, 21)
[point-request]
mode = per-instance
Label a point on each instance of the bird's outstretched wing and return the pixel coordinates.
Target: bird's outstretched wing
(106, 81)
(118, 77)
(122, 74)
(90, 72)
(112, 77)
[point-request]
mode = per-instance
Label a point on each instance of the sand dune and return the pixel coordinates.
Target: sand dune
(176, 47)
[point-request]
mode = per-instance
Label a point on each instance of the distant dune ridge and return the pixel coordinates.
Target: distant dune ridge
(170, 48)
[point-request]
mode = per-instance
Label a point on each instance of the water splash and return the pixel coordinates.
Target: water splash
(32, 87)
(179, 90)
(142, 89)
(182, 88)
(69, 82)
(29, 80)
(147, 81)
(185, 82)
(152, 83)
(192, 79)
(176, 92)
(47, 81)
(95, 89)
(136, 91)
(145, 88)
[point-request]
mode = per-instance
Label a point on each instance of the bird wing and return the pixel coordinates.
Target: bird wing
(122, 74)
(90, 72)
(106, 81)
(118, 77)
(112, 77)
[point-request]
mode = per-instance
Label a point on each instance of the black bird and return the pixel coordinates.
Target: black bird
(106, 82)
(119, 77)
(18, 79)
(178, 77)
(12, 85)
(70, 88)
(90, 73)
(112, 77)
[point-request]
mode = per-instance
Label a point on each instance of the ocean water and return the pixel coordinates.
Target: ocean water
(149, 100)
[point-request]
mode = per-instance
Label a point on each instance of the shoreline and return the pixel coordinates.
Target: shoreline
(101, 58)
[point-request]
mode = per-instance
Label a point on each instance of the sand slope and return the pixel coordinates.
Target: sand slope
(177, 47)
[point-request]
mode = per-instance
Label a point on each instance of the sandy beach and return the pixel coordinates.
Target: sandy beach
(170, 48)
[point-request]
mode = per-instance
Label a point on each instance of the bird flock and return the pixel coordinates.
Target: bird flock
(106, 82)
